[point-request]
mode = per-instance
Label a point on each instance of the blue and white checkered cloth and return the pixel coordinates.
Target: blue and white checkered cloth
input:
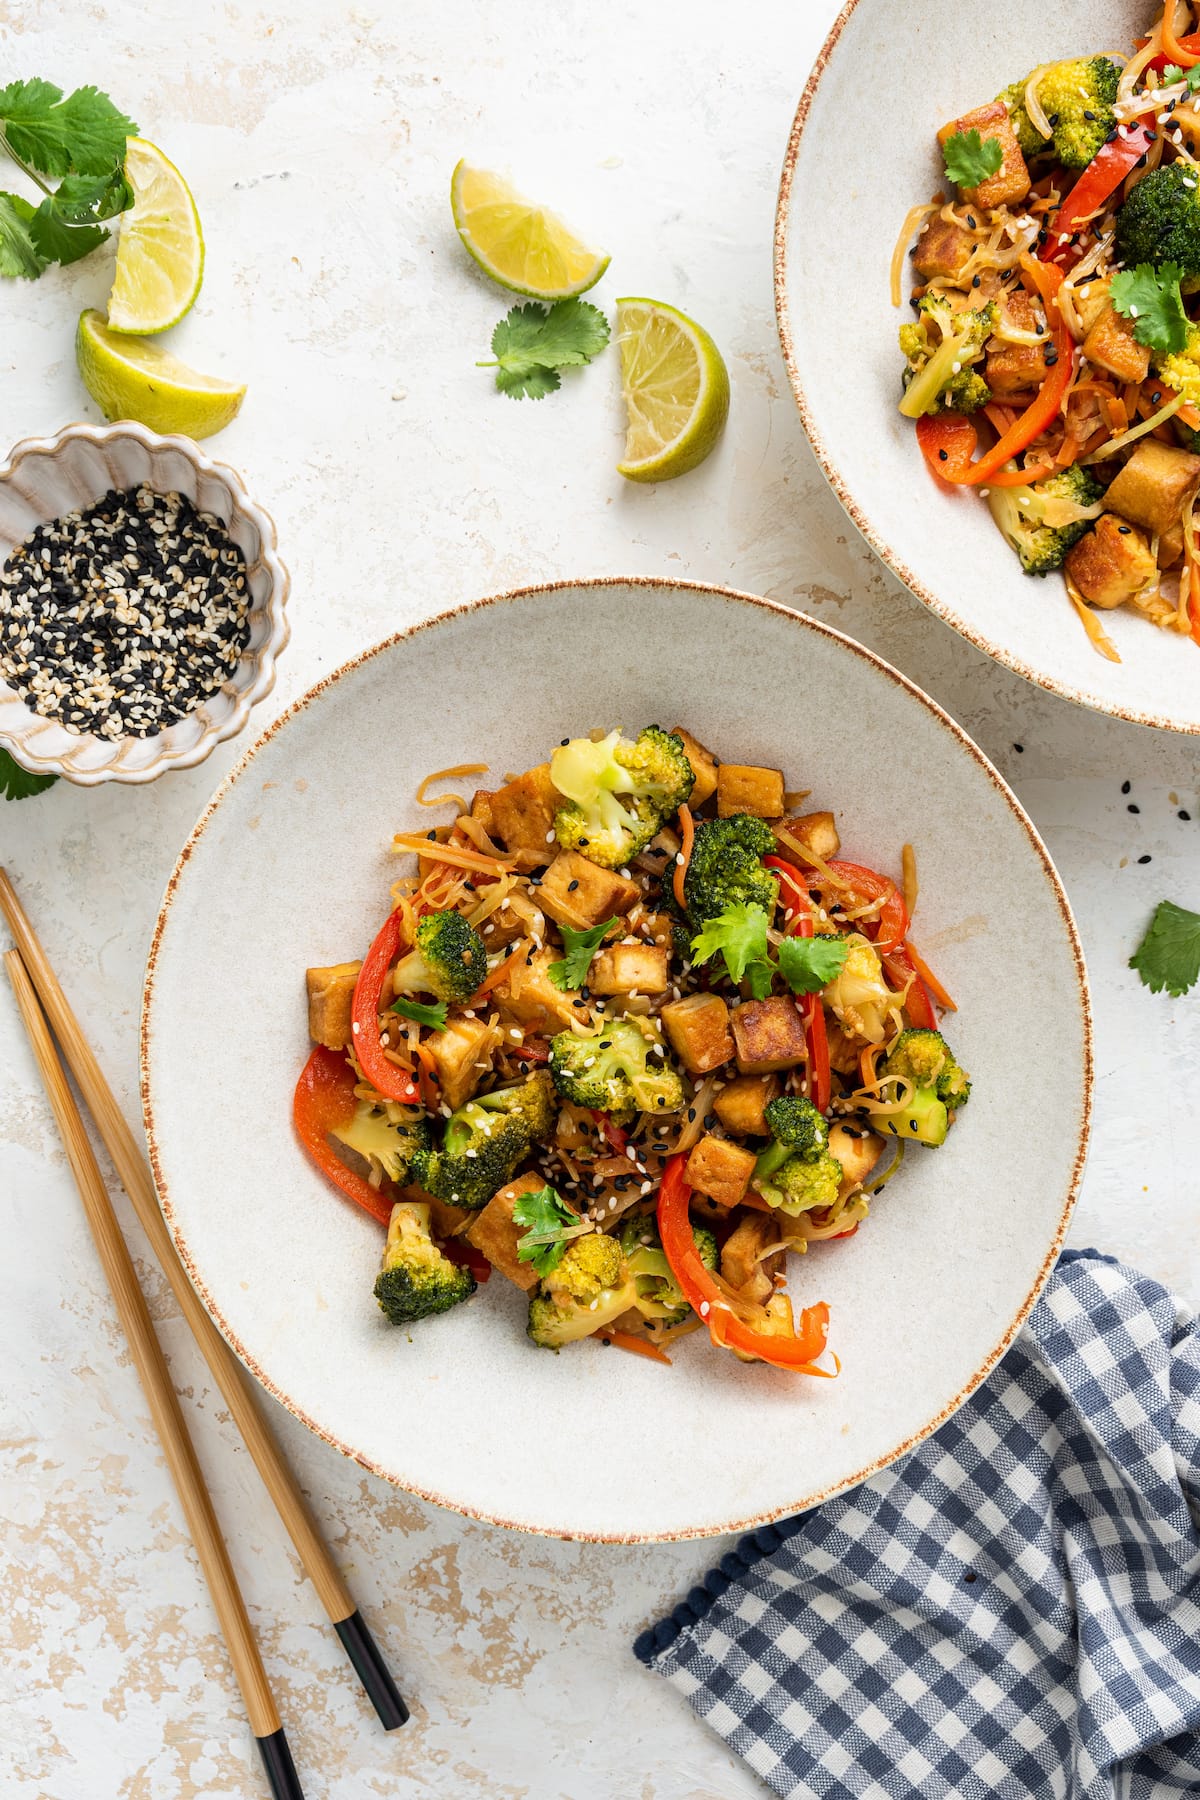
(1011, 1612)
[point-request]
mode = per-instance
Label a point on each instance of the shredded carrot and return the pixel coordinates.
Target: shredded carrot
(868, 1058)
(625, 1340)
(429, 1082)
(1100, 639)
(1174, 50)
(687, 833)
(496, 975)
(446, 853)
(1190, 416)
(929, 978)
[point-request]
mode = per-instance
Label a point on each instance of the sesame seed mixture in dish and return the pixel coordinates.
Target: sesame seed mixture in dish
(122, 618)
(1057, 323)
(632, 1031)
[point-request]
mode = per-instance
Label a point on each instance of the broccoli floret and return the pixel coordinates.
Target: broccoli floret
(798, 1127)
(796, 1172)
(612, 1070)
(1160, 221)
(390, 1137)
(939, 1085)
(416, 1279)
(484, 1141)
(658, 1294)
(940, 347)
(1181, 369)
(1189, 439)
(1077, 98)
(726, 869)
(1043, 521)
(588, 1290)
(449, 959)
(618, 794)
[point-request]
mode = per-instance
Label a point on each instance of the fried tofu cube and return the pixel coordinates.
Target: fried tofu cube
(698, 1029)
(943, 250)
(740, 1104)
(742, 788)
(631, 969)
(769, 1035)
(1154, 485)
(1111, 563)
(493, 1232)
(857, 1150)
(1170, 547)
(463, 1054)
(704, 767)
(580, 893)
(523, 813)
(330, 998)
(817, 831)
(720, 1169)
(1011, 368)
(1111, 343)
(481, 809)
(1010, 183)
(742, 1261)
(660, 926)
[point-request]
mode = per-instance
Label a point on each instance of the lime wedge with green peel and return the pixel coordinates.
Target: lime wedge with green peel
(131, 379)
(520, 245)
(676, 390)
(160, 252)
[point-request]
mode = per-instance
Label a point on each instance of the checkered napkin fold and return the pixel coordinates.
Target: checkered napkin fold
(1011, 1612)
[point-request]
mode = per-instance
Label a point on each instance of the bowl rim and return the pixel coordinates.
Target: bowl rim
(274, 608)
(1091, 699)
(147, 1041)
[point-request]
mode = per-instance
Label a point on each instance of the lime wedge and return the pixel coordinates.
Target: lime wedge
(160, 252)
(520, 245)
(676, 390)
(130, 379)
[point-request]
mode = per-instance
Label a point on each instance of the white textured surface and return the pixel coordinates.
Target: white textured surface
(320, 144)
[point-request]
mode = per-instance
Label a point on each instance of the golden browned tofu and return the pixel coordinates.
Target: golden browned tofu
(857, 1153)
(1154, 485)
(943, 250)
(1170, 547)
(1111, 563)
(631, 969)
(704, 767)
(843, 1049)
(528, 993)
(769, 1035)
(523, 812)
(817, 831)
(463, 1054)
(1011, 368)
(660, 926)
(720, 1169)
(330, 997)
(742, 1261)
(481, 809)
(579, 893)
(1010, 183)
(741, 788)
(1111, 343)
(493, 1232)
(698, 1029)
(739, 1105)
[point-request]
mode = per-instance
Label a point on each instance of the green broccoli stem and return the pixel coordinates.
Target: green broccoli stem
(772, 1158)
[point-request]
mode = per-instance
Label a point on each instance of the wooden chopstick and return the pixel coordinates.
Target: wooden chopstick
(135, 1177)
(160, 1393)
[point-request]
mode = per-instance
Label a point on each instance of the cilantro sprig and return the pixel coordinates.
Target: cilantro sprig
(1172, 74)
(579, 947)
(1169, 954)
(77, 140)
(550, 1225)
(434, 1016)
(739, 934)
(532, 343)
(970, 159)
(1151, 298)
(809, 964)
(17, 783)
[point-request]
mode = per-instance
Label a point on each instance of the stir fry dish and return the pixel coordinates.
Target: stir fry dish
(1052, 362)
(631, 1033)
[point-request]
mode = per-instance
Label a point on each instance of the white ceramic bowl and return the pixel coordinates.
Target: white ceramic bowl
(907, 69)
(593, 1443)
(47, 477)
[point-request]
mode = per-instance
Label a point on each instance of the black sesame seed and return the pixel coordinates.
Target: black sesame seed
(1089, 115)
(1145, 859)
(1126, 786)
(571, 886)
(1185, 816)
(1124, 530)
(1133, 807)
(943, 456)
(1052, 118)
(912, 1125)
(976, 280)
(971, 222)
(1020, 749)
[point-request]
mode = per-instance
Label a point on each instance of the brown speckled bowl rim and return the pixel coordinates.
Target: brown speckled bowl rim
(803, 1501)
(1093, 701)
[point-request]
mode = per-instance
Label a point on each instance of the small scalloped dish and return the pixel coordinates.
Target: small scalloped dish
(47, 477)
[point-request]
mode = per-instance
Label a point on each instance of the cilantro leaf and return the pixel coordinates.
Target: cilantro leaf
(550, 1225)
(579, 947)
(19, 254)
(84, 134)
(433, 1016)
(531, 343)
(1151, 298)
(970, 159)
(1169, 954)
(740, 935)
(806, 964)
(1172, 74)
(17, 783)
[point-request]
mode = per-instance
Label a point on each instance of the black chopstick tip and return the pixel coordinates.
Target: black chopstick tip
(281, 1770)
(372, 1671)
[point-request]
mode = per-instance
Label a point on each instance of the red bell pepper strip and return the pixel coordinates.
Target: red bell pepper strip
(797, 1353)
(818, 1080)
(383, 1075)
(324, 1099)
(917, 1004)
(868, 884)
(1103, 175)
(614, 1137)
(457, 1250)
(1182, 50)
